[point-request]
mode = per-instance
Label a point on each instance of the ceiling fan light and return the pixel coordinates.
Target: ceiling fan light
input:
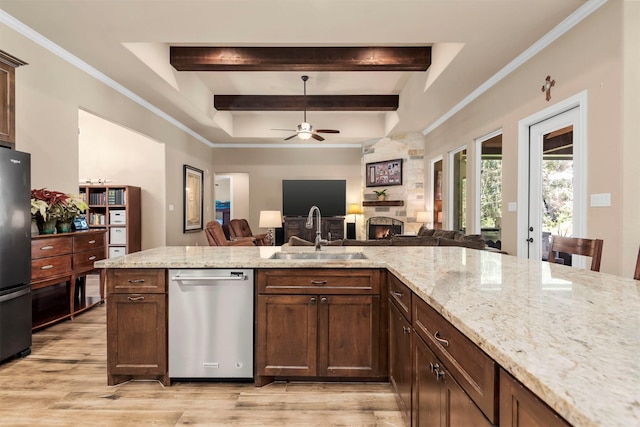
(304, 135)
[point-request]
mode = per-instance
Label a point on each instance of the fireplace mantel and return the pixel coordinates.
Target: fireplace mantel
(383, 203)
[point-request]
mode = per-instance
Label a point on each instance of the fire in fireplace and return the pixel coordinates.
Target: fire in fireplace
(382, 227)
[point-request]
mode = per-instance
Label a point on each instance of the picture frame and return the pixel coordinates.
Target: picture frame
(192, 197)
(384, 174)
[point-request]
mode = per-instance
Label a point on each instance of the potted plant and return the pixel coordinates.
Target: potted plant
(381, 194)
(48, 208)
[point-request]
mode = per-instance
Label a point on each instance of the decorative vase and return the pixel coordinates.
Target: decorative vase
(47, 227)
(381, 197)
(64, 226)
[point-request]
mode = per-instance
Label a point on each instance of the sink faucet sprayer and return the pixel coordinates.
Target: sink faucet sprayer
(309, 225)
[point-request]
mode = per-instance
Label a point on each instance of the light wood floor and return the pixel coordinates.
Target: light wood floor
(63, 383)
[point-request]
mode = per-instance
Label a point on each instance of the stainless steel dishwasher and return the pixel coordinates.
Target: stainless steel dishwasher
(211, 323)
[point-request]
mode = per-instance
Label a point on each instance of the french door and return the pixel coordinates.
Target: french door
(553, 170)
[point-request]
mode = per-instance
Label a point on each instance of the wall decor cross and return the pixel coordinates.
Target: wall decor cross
(546, 87)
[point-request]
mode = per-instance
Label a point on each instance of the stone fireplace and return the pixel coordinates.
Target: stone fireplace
(382, 227)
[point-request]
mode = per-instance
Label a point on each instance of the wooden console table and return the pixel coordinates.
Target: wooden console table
(295, 226)
(68, 257)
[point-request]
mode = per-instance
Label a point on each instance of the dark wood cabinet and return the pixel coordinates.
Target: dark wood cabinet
(136, 325)
(519, 407)
(474, 371)
(438, 399)
(8, 65)
(400, 369)
(320, 323)
(59, 266)
(329, 226)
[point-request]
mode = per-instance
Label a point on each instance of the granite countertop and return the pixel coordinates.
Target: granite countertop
(571, 336)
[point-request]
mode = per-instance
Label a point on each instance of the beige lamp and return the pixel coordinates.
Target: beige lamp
(423, 217)
(270, 220)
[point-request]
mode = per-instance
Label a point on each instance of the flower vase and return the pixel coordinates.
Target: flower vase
(47, 227)
(381, 197)
(64, 226)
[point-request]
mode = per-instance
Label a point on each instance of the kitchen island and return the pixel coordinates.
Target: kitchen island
(570, 336)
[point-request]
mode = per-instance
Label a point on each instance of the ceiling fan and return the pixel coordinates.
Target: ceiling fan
(305, 130)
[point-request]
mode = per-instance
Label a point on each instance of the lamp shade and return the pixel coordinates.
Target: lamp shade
(423, 217)
(355, 209)
(270, 219)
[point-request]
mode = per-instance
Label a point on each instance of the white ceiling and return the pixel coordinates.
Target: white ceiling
(128, 40)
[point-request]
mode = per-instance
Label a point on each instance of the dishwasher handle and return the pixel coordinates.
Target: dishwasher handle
(209, 278)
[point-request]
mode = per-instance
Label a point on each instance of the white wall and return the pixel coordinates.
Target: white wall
(109, 151)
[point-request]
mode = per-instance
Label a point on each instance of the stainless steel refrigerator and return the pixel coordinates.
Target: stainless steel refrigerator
(15, 253)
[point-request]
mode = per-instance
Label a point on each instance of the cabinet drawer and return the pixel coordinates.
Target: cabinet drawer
(469, 365)
(51, 266)
(87, 258)
(400, 294)
(49, 247)
(85, 242)
(314, 281)
(136, 280)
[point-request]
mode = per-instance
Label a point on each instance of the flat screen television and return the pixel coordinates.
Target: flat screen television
(299, 195)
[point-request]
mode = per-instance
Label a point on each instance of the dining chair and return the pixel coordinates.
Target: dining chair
(577, 246)
(216, 237)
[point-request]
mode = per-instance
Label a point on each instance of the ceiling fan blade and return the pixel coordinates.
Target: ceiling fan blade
(288, 130)
(317, 137)
(292, 136)
(327, 131)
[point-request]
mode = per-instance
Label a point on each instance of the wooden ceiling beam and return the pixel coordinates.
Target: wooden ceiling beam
(310, 102)
(384, 58)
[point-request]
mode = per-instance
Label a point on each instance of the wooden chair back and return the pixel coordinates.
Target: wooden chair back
(577, 246)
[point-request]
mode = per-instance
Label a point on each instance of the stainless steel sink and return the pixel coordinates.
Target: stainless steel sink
(319, 255)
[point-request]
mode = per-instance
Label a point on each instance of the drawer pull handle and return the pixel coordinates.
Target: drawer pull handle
(433, 367)
(91, 258)
(397, 294)
(91, 242)
(439, 375)
(318, 282)
(46, 267)
(140, 298)
(406, 329)
(136, 280)
(441, 340)
(46, 248)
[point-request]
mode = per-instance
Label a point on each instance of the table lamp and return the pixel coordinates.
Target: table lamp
(270, 220)
(423, 217)
(354, 209)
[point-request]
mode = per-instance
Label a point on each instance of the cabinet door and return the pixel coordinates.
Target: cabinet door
(7, 105)
(349, 330)
(136, 335)
(286, 338)
(426, 393)
(520, 407)
(400, 359)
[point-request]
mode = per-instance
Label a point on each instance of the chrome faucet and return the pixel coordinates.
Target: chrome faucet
(309, 225)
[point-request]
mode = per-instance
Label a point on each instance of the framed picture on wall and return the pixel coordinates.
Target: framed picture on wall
(382, 174)
(193, 194)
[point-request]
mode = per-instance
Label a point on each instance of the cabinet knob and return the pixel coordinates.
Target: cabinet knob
(313, 300)
(323, 300)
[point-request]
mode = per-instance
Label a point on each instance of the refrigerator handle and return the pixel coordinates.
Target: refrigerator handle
(13, 295)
